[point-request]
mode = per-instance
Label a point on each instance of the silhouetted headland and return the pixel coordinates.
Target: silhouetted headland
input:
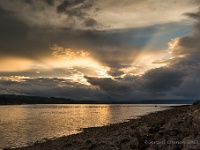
(22, 99)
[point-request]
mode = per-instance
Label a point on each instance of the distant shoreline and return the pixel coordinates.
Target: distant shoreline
(155, 105)
(26, 100)
(155, 130)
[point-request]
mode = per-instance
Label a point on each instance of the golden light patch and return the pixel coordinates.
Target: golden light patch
(174, 44)
(77, 58)
(145, 61)
(14, 78)
(12, 64)
(68, 53)
(102, 72)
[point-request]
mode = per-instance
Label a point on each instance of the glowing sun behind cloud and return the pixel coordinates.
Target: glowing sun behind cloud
(75, 58)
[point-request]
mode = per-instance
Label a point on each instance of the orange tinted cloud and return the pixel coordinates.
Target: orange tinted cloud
(12, 64)
(68, 53)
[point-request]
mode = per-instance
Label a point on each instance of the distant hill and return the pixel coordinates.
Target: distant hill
(21, 99)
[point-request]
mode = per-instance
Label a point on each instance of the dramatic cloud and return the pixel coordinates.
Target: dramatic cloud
(121, 15)
(68, 53)
(161, 79)
(116, 50)
(106, 49)
(90, 23)
(154, 83)
(50, 2)
(187, 51)
(108, 84)
(48, 87)
(74, 7)
(179, 79)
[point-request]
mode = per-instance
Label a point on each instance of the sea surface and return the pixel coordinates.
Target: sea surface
(21, 125)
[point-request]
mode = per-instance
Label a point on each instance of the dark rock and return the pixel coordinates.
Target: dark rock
(102, 143)
(142, 139)
(153, 130)
(135, 133)
(195, 134)
(150, 136)
(161, 132)
(88, 142)
(180, 122)
(125, 140)
(133, 146)
(174, 132)
(68, 145)
(92, 146)
(162, 122)
(189, 120)
(143, 146)
(162, 128)
(76, 142)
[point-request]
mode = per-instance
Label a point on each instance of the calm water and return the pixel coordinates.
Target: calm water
(23, 124)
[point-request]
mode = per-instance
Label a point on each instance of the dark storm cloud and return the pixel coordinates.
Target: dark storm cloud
(90, 23)
(28, 1)
(11, 29)
(63, 6)
(116, 49)
(189, 45)
(50, 87)
(67, 3)
(50, 2)
(190, 85)
(179, 79)
(78, 9)
(154, 82)
(161, 79)
(194, 15)
(108, 84)
(17, 38)
(74, 7)
(115, 72)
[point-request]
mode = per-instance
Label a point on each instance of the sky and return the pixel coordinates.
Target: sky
(109, 50)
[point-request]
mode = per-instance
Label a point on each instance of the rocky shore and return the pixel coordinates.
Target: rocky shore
(173, 129)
